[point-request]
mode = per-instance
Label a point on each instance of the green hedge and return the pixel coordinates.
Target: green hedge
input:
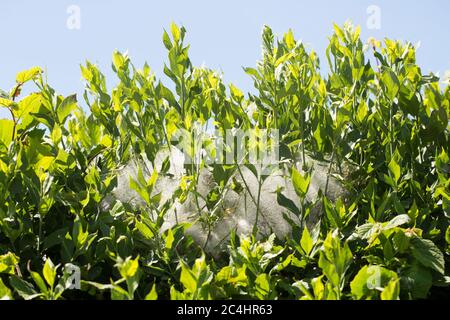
(374, 110)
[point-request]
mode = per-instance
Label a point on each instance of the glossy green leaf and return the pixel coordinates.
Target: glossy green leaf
(371, 280)
(23, 288)
(428, 254)
(49, 272)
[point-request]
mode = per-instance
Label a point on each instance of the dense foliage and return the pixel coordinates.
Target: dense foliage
(374, 110)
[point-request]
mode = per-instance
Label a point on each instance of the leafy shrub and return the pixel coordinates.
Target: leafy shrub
(380, 114)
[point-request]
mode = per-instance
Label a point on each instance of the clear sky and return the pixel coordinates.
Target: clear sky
(225, 35)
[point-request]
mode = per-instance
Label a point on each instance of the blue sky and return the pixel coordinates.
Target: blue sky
(225, 35)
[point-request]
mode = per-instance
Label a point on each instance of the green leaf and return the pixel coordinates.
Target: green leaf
(367, 231)
(99, 286)
(152, 181)
(27, 75)
(87, 73)
(129, 267)
(236, 92)
(394, 168)
(169, 239)
(6, 102)
(187, 278)
(118, 293)
(362, 111)
(303, 286)
(370, 280)
(28, 105)
(49, 272)
(329, 270)
(400, 241)
(318, 137)
(306, 242)
(118, 60)
(79, 236)
(23, 288)
(176, 295)
(339, 32)
(397, 221)
(300, 182)
(262, 286)
(67, 106)
(318, 288)
(8, 262)
(142, 187)
(428, 254)
(391, 83)
(166, 41)
(56, 134)
(166, 94)
(398, 205)
(287, 203)
(335, 259)
(152, 295)
(39, 281)
(145, 230)
(447, 235)
(252, 72)
(413, 212)
(391, 291)
(5, 292)
(196, 280)
(289, 39)
(175, 32)
(232, 275)
(6, 131)
(417, 280)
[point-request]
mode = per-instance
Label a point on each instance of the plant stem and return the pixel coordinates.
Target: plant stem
(13, 98)
(256, 202)
(391, 132)
(329, 169)
(40, 233)
(14, 125)
(255, 226)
